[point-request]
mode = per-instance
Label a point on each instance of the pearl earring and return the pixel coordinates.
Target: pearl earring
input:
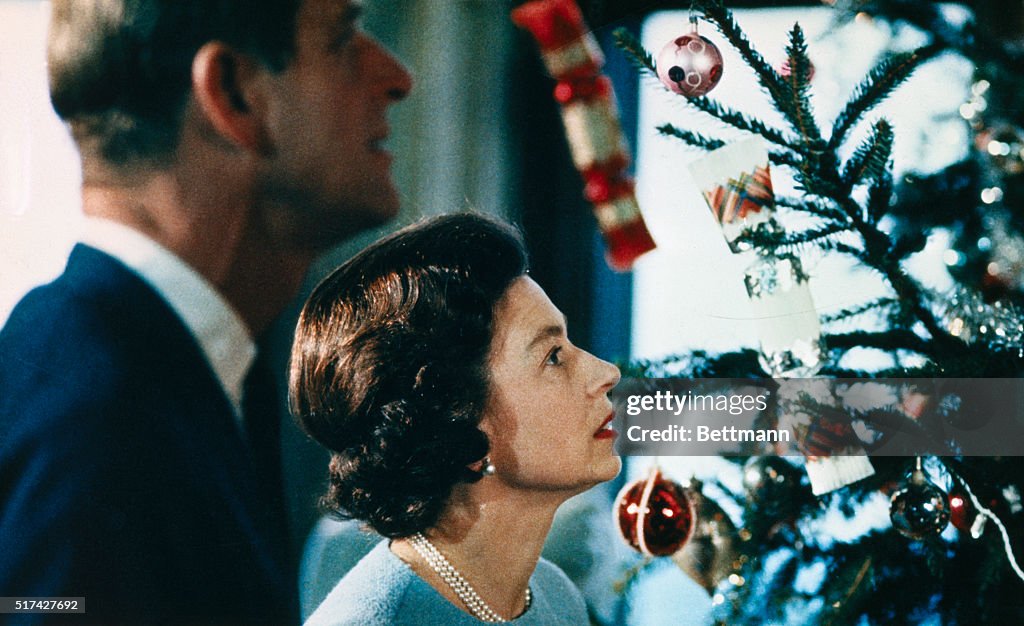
(488, 468)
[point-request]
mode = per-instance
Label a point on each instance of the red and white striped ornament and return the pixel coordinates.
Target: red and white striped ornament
(591, 121)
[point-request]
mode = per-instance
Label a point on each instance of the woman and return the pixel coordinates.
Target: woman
(459, 417)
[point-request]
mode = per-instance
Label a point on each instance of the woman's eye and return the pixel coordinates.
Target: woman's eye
(554, 357)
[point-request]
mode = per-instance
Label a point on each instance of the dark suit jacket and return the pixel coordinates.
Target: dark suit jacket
(123, 477)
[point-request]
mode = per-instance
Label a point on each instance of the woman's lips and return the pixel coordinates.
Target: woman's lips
(606, 431)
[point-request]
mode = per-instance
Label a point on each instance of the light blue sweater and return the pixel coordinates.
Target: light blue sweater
(381, 590)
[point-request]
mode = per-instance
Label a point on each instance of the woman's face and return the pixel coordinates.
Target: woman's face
(548, 412)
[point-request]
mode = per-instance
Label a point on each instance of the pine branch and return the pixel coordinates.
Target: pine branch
(823, 182)
(766, 74)
(818, 208)
(871, 158)
(879, 83)
(876, 254)
(696, 364)
(785, 158)
(857, 253)
(908, 244)
(879, 196)
(815, 235)
(799, 83)
(781, 242)
(879, 303)
(694, 139)
(889, 341)
(712, 143)
(635, 52)
(743, 122)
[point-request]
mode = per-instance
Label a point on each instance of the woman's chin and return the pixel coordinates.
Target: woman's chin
(607, 469)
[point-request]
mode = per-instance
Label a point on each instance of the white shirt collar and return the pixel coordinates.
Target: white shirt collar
(219, 330)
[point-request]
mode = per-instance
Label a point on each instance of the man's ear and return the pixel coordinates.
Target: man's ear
(227, 90)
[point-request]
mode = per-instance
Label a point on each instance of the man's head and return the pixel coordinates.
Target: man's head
(121, 70)
(291, 89)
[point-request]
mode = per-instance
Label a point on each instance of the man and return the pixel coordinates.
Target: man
(224, 145)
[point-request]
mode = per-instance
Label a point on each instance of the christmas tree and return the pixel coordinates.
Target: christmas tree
(847, 202)
(851, 205)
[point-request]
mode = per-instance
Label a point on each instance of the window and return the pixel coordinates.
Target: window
(39, 168)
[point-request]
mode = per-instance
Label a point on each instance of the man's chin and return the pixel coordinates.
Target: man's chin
(388, 210)
(376, 214)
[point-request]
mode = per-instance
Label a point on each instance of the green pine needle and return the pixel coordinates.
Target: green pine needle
(743, 122)
(785, 158)
(766, 75)
(817, 207)
(694, 139)
(879, 196)
(799, 82)
(772, 82)
(871, 160)
(799, 78)
(635, 52)
(780, 242)
(889, 341)
(857, 253)
(886, 76)
(874, 305)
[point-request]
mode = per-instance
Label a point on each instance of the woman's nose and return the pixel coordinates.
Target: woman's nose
(606, 375)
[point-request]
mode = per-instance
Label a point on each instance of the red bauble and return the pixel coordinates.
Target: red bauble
(655, 515)
(961, 511)
(690, 65)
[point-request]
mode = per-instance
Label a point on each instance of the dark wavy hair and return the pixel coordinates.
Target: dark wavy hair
(389, 367)
(120, 70)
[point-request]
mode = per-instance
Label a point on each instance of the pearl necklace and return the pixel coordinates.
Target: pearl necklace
(457, 582)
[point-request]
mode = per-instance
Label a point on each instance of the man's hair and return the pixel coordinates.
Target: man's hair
(120, 70)
(390, 369)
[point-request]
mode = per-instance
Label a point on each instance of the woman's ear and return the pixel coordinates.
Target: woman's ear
(483, 467)
(226, 87)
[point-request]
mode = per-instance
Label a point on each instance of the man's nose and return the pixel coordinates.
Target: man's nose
(394, 75)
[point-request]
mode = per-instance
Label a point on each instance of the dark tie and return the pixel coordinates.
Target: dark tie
(262, 417)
